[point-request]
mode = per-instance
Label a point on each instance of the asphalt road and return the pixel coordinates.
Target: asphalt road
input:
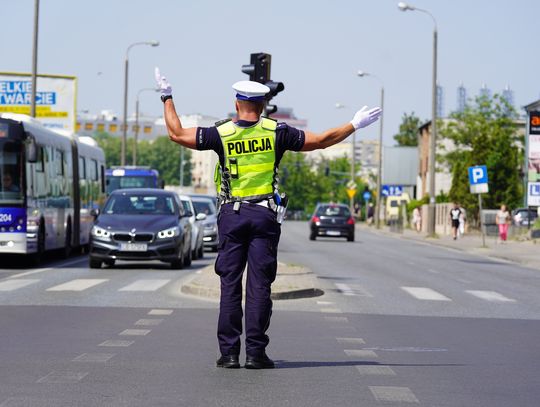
(400, 323)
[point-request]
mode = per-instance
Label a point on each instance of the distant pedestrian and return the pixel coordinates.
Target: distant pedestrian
(503, 221)
(462, 220)
(417, 219)
(455, 214)
(370, 213)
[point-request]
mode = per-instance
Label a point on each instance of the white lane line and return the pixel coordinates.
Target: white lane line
(60, 265)
(491, 296)
(345, 289)
(63, 377)
(11, 285)
(351, 341)
(135, 332)
(80, 284)
(324, 302)
(93, 357)
(337, 319)
(331, 311)
(145, 285)
(375, 370)
(149, 322)
(116, 343)
(393, 394)
(160, 312)
(423, 293)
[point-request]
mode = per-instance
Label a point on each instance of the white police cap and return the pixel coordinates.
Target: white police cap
(250, 90)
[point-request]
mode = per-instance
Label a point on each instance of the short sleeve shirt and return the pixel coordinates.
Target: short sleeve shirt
(287, 138)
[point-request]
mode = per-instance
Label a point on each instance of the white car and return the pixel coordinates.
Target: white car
(197, 228)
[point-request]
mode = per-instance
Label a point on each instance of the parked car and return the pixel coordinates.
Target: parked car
(332, 220)
(197, 227)
(207, 204)
(524, 216)
(141, 224)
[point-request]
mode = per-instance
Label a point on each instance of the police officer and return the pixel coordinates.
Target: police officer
(249, 151)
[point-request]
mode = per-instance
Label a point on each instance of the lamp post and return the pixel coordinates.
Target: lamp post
(124, 129)
(433, 139)
(34, 59)
(134, 158)
(379, 165)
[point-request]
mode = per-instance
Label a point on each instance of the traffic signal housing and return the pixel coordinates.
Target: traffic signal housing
(259, 71)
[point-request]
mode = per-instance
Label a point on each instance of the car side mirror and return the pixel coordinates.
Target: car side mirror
(200, 216)
(94, 212)
(187, 214)
(31, 149)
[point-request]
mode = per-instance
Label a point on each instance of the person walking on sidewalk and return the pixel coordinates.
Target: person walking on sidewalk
(455, 214)
(249, 151)
(417, 218)
(502, 219)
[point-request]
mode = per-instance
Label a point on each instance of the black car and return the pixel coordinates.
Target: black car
(332, 220)
(141, 224)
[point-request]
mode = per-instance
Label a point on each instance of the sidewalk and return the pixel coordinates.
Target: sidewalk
(291, 282)
(525, 253)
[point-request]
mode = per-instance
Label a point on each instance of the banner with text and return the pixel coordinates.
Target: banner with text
(533, 155)
(55, 98)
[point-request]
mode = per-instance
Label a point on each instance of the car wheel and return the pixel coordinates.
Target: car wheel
(188, 259)
(201, 252)
(179, 263)
(66, 251)
(350, 238)
(110, 263)
(312, 236)
(94, 263)
(35, 258)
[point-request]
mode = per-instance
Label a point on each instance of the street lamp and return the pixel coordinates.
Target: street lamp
(134, 160)
(432, 142)
(34, 59)
(124, 130)
(379, 169)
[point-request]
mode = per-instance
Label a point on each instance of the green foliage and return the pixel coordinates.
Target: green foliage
(415, 203)
(485, 134)
(160, 154)
(408, 130)
(306, 182)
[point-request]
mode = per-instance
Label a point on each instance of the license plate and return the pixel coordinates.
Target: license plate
(133, 247)
(333, 232)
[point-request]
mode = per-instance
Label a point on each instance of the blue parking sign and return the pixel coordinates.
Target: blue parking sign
(478, 179)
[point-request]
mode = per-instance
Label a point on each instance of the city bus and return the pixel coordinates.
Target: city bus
(50, 185)
(132, 177)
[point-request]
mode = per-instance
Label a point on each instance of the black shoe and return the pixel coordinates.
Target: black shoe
(259, 362)
(228, 362)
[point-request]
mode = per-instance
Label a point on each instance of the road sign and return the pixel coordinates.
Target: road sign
(351, 184)
(351, 192)
(366, 196)
(392, 190)
(533, 194)
(478, 179)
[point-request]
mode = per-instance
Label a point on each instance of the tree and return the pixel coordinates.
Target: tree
(408, 130)
(485, 133)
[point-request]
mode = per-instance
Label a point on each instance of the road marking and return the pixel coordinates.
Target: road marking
(160, 312)
(63, 377)
(11, 285)
(149, 322)
(116, 343)
(331, 311)
(351, 341)
(423, 293)
(375, 370)
(324, 302)
(93, 357)
(407, 349)
(145, 285)
(78, 284)
(360, 353)
(345, 289)
(337, 319)
(393, 394)
(491, 296)
(135, 332)
(28, 273)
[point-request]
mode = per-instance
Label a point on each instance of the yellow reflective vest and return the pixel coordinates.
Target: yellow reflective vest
(250, 157)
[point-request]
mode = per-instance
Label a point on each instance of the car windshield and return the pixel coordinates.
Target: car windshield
(207, 207)
(130, 181)
(135, 204)
(333, 210)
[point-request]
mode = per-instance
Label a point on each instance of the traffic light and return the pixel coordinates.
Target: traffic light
(259, 71)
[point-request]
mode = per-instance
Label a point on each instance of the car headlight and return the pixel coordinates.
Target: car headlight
(101, 234)
(169, 233)
(210, 227)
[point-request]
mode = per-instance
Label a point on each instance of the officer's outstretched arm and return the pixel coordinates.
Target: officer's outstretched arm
(178, 134)
(364, 117)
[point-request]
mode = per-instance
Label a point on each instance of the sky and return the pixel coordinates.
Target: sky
(317, 47)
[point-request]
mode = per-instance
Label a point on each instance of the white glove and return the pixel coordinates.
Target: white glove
(365, 117)
(162, 84)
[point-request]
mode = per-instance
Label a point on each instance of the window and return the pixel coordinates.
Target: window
(82, 168)
(93, 170)
(40, 163)
(59, 162)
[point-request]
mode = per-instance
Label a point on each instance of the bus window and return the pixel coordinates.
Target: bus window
(102, 174)
(82, 168)
(59, 162)
(40, 163)
(94, 170)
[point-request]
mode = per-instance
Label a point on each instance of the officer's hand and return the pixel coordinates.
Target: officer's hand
(364, 117)
(163, 85)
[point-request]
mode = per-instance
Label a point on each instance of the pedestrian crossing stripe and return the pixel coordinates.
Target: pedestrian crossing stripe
(423, 293)
(78, 284)
(12, 285)
(491, 296)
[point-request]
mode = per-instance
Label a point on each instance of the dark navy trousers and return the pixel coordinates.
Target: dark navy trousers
(250, 236)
